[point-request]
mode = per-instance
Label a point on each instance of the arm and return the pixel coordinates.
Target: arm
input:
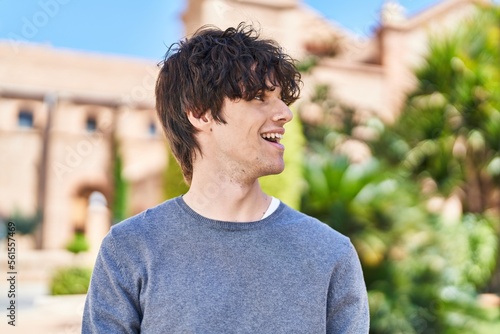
(347, 306)
(112, 304)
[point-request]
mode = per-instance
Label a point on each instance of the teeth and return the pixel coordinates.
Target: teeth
(272, 135)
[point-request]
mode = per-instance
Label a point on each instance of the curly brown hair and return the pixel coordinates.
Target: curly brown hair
(198, 73)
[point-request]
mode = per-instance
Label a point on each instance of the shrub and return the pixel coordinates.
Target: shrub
(25, 223)
(70, 280)
(78, 244)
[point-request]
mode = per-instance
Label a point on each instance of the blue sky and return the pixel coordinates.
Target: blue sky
(143, 28)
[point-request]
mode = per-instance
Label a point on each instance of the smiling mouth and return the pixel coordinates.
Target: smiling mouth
(272, 137)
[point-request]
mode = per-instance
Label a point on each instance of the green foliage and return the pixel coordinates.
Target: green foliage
(451, 124)
(78, 244)
(423, 265)
(493, 325)
(71, 280)
(448, 137)
(174, 180)
(288, 185)
(120, 199)
(307, 64)
(25, 223)
(421, 269)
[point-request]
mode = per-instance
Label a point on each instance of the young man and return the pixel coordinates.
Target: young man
(225, 257)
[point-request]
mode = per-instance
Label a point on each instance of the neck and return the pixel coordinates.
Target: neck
(221, 198)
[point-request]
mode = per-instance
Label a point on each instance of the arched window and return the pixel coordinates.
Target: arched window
(152, 129)
(97, 199)
(25, 119)
(91, 124)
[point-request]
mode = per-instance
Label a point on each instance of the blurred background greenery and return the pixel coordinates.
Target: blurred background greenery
(423, 208)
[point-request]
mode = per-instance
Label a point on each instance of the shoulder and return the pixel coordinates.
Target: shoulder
(147, 221)
(145, 228)
(313, 234)
(134, 240)
(310, 226)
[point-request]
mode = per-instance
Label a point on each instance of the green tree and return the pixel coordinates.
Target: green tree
(451, 123)
(174, 184)
(449, 132)
(119, 206)
(423, 267)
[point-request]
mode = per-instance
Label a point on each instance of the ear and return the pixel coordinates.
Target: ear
(201, 123)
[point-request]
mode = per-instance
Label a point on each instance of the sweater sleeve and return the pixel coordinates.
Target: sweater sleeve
(347, 306)
(112, 304)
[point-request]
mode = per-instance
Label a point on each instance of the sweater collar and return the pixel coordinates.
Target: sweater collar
(228, 225)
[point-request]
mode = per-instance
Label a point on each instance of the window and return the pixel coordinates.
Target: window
(25, 119)
(91, 125)
(152, 129)
(97, 199)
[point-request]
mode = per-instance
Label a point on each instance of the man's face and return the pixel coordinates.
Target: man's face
(248, 145)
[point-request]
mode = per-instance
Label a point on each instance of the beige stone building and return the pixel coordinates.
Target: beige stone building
(370, 74)
(61, 114)
(65, 114)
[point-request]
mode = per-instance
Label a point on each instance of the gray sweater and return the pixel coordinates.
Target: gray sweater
(170, 270)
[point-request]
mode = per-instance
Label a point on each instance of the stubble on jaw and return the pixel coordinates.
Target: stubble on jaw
(247, 173)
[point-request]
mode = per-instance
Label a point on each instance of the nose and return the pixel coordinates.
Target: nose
(282, 113)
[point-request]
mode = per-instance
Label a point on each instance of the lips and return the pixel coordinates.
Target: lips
(274, 137)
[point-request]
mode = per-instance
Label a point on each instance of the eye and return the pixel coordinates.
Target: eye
(259, 97)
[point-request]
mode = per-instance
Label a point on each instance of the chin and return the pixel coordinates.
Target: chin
(274, 170)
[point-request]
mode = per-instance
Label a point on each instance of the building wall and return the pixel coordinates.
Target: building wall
(372, 75)
(287, 21)
(94, 102)
(405, 44)
(20, 153)
(359, 85)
